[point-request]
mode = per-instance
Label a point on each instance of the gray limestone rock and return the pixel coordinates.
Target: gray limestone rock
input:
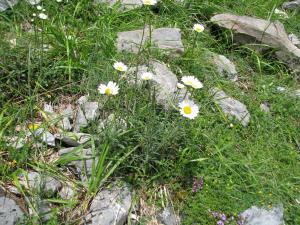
(265, 107)
(110, 207)
(231, 107)
(260, 216)
(84, 160)
(87, 111)
(291, 5)
(131, 41)
(34, 180)
(164, 81)
(45, 136)
(168, 39)
(10, 211)
(250, 30)
(169, 217)
(6, 4)
(224, 66)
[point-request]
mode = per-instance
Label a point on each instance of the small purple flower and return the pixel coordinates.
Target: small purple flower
(220, 222)
(223, 217)
(197, 184)
(215, 214)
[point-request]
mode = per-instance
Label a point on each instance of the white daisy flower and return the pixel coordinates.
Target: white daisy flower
(34, 14)
(110, 89)
(39, 7)
(58, 0)
(147, 76)
(180, 85)
(192, 81)
(188, 109)
(43, 16)
(120, 66)
(149, 2)
(281, 13)
(198, 28)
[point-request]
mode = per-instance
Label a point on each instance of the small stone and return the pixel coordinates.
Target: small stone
(10, 211)
(265, 107)
(231, 107)
(82, 100)
(73, 139)
(44, 210)
(291, 5)
(168, 217)
(260, 216)
(67, 192)
(280, 89)
(34, 180)
(83, 165)
(225, 67)
(87, 111)
(45, 136)
(110, 207)
(6, 4)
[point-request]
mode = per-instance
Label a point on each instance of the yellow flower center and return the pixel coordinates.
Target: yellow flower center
(187, 109)
(147, 2)
(120, 68)
(107, 91)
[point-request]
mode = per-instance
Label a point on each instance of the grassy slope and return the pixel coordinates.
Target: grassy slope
(257, 165)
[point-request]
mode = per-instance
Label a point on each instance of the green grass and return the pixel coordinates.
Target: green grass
(256, 165)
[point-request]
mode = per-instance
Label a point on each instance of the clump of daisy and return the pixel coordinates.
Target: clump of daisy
(281, 13)
(192, 81)
(147, 76)
(198, 28)
(110, 89)
(188, 109)
(43, 16)
(120, 66)
(149, 2)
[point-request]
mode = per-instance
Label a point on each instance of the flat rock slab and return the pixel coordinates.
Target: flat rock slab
(168, 39)
(126, 4)
(10, 211)
(250, 30)
(110, 207)
(7, 4)
(291, 5)
(231, 107)
(164, 81)
(260, 216)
